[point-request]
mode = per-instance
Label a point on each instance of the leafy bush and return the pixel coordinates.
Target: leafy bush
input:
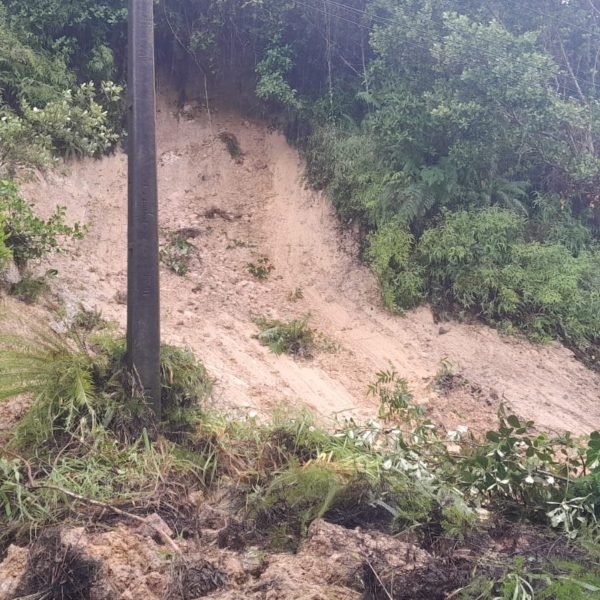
(76, 123)
(27, 236)
(481, 261)
(401, 278)
(272, 85)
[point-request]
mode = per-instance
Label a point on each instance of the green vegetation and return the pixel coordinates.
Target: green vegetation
(395, 397)
(422, 120)
(88, 437)
(27, 237)
(177, 253)
(30, 289)
(232, 144)
(261, 269)
(293, 337)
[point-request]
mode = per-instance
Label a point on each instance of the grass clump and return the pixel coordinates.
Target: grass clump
(293, 337)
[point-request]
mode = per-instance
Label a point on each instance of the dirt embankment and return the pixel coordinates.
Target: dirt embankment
(257, 206)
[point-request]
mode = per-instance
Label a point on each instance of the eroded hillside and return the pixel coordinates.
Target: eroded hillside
(236, 212)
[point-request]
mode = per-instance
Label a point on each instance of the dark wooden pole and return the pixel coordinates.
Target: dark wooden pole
(143, 298)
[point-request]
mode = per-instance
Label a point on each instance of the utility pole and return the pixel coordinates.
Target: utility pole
(143, 294)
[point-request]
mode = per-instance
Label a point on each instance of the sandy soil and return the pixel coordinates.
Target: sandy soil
(264, 203)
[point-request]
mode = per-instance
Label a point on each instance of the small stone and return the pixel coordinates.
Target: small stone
(9, 275)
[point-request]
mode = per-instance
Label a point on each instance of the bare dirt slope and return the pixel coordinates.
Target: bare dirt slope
(263, 204)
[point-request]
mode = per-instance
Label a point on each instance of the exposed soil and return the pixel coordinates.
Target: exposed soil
(237, 210)
(257, 206)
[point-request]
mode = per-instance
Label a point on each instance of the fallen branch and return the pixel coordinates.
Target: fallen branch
(33, 485)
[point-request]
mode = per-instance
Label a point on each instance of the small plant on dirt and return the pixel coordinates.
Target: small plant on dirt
(292, 337)
(261, 269)
(395, 397)
(445, 376)
(296, 294)
(235, 243)
(88, 319)
(232, 144)
(176, 255)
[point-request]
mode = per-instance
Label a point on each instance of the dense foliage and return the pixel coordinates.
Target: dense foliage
(411, 112)
(406, 112)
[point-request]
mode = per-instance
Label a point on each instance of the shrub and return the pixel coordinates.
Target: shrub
(401, 279)
(464, 254)
(482, 262)
(78, 386)
(77, 124)
(28, 236)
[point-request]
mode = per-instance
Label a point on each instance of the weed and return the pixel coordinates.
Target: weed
(88, 319)
(395, 397)
(292, 337)
(235, 243)
(296, 294)
(176, 255)
(262, 269)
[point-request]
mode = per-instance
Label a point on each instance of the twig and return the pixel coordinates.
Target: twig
(33, 485)
(379, 580)
(110, 507)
